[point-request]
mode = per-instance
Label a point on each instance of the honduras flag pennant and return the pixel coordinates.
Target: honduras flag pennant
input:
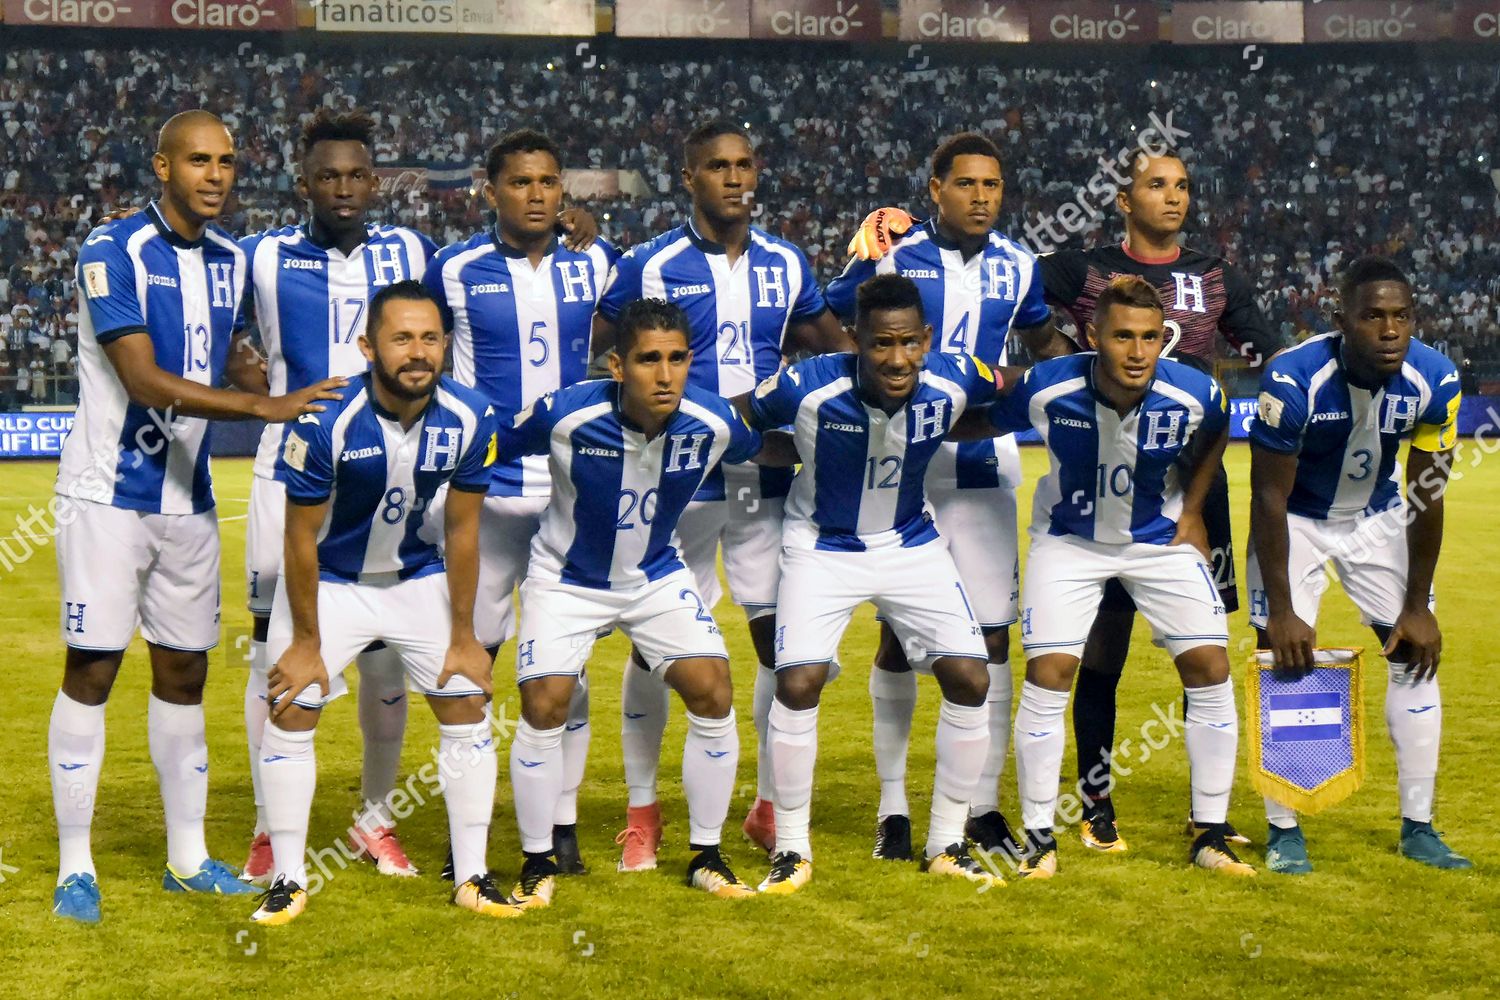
(1307, 737)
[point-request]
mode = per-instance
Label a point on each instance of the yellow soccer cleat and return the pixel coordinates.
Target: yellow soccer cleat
(789, 872)
(1040, 858)
(957, 862)
(710, 871)
(1098, 830)
(480, 895)
(280, 904)
(537, 884)
(1211, 851)
(878, 233)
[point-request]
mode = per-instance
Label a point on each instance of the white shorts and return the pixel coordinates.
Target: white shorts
(750, 530)
(980, 527)
(1368, 553)
(410, 616)
(1170, 584)
(506, 527)
(265, 531)
(915, 589)
(666, 620)
(120, 570)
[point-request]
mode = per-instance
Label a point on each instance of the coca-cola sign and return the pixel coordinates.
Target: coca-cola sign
(963, 21)
(1095, 22)
(1372, 21)
(816, 20)
(215, 15)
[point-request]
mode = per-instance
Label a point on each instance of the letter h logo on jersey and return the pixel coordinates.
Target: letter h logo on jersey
(686, 452)
(770, 287)
(575, 281)
(221, 284)
(1190, 296)
(928, 420)
(442, 443)
(1000, 274)
(74, 614)
(1159, 435)
(385, 265)
(1400, 414)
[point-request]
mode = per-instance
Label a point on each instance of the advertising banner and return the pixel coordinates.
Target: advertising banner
(1473, 20)
(217, 15)
(1093, 22)
(816, 20)
(963, 21)
(34, 434)
(682, 18)
(461, 17)
(1235, 23)
(1372, 21)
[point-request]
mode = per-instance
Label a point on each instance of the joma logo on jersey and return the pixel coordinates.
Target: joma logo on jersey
(298, 264)
(770, 287)
(685, 452)
(1073, 422)
(1163, 430)
(1400, 414)
(355, 454)
(489, 288)
(593, 452)
(928, 420)
(161, 279)
(1190, 296)
(442, 446)
(1320, 418)
(920, 272)
(385, 265)
(833, 425)
(683, 291)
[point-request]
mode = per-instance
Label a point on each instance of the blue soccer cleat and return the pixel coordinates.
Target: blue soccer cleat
(1420, 842)
(77, 899)
(1286, 852)
(214, 878)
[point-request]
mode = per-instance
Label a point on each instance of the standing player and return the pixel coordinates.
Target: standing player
(359, 480)
(627, 455)
(751, 300)
(1134, 442)
(977, 286)
(1326, 482)
(160, 298)
(310, 287)
(520, 307)
(858, 529)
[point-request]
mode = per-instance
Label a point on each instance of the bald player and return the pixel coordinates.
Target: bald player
(137, 537)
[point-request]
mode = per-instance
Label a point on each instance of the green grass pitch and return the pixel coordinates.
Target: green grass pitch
(1142, 924)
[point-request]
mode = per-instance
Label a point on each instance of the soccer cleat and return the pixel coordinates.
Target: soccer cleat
(482, 896)
(1231, 835)
(214, 878)
(1211, 851)
(789, 872)
(760, 825)
(1040, 858)
(77, 899)
(258, 863)
(640, 838)
(893, 839)
(381, 846)
(565, 849)
(280, 904)
(709, 870)
(956, 860)
(1098, 830)
(1420, 842)
(992, 834)
(537, 884)
(1286, 852)
(446, 873)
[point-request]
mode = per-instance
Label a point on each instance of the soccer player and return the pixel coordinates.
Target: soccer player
(751, 300)
(310, 287)
(359, 568)
(160, 297)
(867, 425)
(627, 455)
(1327, 486)
(977, 286)
(1134, 441)
(520, 306)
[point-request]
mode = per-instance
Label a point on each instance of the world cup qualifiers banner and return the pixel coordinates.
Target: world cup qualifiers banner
(33, 435)
(218, 15)
(459, 17)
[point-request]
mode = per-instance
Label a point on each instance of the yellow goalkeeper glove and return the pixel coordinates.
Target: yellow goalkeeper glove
(878, 232)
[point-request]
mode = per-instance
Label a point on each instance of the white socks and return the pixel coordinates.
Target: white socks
(997, 703)
(468, 774)
(536, 777)
(893, 696)
(256, 712)
(179, 749)
(575, 750)
(1039, 740)
(288, 777)
(382, 722)
(963, 737)
(710, 759)
(792, 741)
(765, 693)
(1414, 716)
(643, 707)
(75, 753)
(1212, 734)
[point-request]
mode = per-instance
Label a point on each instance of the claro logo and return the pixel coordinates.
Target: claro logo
(1346, 27)
(707, 22)
(799, 24)
(224, 14)
(1487, 24)
(1072, 27)
(989, 23)
(75, 11)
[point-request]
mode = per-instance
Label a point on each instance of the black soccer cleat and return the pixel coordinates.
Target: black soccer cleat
(1211, 851)
(538, 882)
(992, 834)
(709, 871)
(893, 839)
(565, 849)
(1097, 829)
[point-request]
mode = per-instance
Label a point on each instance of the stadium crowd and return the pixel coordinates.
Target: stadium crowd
(1297, 170)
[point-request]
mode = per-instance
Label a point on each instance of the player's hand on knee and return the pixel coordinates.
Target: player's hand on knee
(1292, 643)
(1416, 630)
(299, 668)
(578, 228)
(280, 409)
(878, 232)
(467, 658)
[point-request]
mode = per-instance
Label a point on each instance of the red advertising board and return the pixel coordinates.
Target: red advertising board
(1372, 21)
(816, 20)
(216, 15)
(83, 13)
(1476, 20)
(1092, 22)
(682, 18)
(963, 21)
(1235, 22)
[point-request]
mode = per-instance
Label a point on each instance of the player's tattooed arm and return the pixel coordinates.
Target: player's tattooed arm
(301, 666)
(246, 367)
(465, 657)
(1416, 639)
(1291, 639)
(134, 360)
(1204, 458)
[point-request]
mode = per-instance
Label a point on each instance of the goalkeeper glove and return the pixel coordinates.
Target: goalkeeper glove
(880, 229)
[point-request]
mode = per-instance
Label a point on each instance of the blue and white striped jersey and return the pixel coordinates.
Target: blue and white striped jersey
(861, 482)
(972, 305)
(617, 496)
(310, 303)
(738, 313)
(518, 331)
(1112, 479)
(1347, 439)
(138, 275)
(379, 478)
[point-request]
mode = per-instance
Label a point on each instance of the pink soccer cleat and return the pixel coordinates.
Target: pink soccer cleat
(258, 863)
(760, 825)
(381, 846)
(640, 838)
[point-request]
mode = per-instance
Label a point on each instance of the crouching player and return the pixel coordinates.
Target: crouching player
(358, 479)
(1134, 442)
(625, 456)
